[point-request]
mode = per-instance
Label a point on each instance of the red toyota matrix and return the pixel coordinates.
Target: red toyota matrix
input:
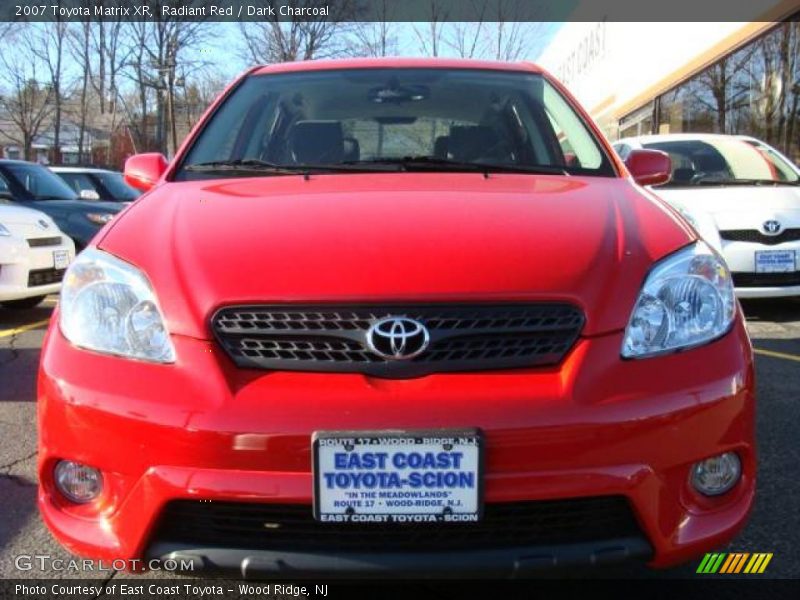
(401, 316)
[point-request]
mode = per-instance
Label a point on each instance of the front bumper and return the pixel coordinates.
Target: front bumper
(202, 429)
(495, 563)
(740, 257)
(17, 260)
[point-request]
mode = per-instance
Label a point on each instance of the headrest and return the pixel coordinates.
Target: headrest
(352, 149)
(440, 146)
(317, 142)
(470, 142)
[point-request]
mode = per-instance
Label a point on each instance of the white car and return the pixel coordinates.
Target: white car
(743, 197)
(34, 254)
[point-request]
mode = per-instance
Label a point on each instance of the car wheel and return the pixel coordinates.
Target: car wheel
(22, 303)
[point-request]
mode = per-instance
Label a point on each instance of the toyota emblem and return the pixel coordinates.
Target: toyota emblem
(772, 227)
(397, 338)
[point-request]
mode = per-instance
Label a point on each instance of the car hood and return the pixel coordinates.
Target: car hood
(738, 207)
(383, 238)
(11, 214)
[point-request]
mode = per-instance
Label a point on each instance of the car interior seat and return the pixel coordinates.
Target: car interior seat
(474, 142)
(440, 146)
(352, 149)
(315, 142)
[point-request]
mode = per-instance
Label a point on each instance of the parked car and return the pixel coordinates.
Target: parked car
(91, 183)
(34, 255)
(743, 197)
(34, 186)
(404, 315)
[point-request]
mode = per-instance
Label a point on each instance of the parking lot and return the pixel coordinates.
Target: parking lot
(774, 526)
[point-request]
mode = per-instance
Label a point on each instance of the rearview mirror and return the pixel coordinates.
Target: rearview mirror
(649, 167)
(142, 171)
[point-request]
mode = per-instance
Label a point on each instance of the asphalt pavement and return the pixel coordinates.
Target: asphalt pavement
(774, 526)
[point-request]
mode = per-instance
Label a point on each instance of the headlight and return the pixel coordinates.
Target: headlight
(3, 231)
(108, 305)
(686, 300)
(99, 218)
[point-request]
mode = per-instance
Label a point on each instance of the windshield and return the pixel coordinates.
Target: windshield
(432, 119)
(724, 161)
(39, 182)
(116, 185)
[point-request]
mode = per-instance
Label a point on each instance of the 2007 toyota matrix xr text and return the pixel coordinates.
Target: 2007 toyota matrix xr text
(397, 316)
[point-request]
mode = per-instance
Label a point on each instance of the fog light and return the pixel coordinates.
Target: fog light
(79, 483)
(716, 475)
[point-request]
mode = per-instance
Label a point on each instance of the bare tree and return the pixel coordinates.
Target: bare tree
(509, 35)
(279, 40)
(27, 101)
(160, 48)
(111, 48)
(375, 38)
(466, 39)
(80, 48)
(48, 43)
(430, 34)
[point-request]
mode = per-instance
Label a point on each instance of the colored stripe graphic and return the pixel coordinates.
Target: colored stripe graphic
(724, 563)
(758, 563)
(711, 562)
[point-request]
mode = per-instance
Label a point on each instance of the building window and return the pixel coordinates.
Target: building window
(754, 90)
(639, 122)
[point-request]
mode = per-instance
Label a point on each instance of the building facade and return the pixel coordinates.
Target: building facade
(734, 78)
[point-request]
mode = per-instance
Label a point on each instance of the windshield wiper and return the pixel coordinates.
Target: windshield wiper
(254, 165)
(246, 165)
(432, 163)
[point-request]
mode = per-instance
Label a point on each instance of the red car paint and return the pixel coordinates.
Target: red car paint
(202, 428)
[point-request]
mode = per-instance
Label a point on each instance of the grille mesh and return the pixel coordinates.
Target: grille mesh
(292, 527)
(745, 280)
(462, 338)
(756, 237)
(42, 242)
(45, 276)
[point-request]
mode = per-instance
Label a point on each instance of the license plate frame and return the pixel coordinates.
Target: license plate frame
(60, 259)
(456, 506)
(787, 265)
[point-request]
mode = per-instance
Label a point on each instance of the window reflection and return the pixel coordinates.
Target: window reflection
(754, 90)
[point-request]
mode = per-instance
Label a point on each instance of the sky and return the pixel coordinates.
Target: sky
(222, 49)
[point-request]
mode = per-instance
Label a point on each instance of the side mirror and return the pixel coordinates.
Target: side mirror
(142, 171)
(89, 195)
(649, 167)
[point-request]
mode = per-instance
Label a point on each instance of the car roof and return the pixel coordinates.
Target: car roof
(395, 63)
(8, 161)
(59, 169)
(678, 137)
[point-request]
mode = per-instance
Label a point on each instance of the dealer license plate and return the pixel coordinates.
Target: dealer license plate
(61, 259)
(397, 476)
(775, 261)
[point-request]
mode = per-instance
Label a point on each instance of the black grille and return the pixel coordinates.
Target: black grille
(462, 338)
(293, 528)
(45, 276)
(756, 237)
(41, 242)
(745, 280)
